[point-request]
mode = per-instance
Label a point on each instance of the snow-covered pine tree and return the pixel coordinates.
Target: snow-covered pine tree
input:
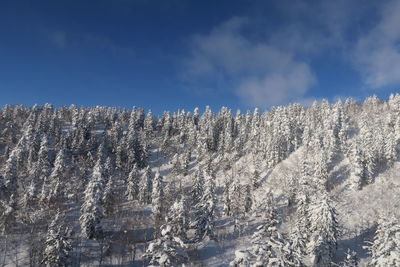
(324, 231)
(132, 188)
(8, 214)
(109, 197)
(270, 248)
(227, 196)
(176, 168)
(157, 199)
(358, 168)
(166, 251)
(236, 198)
(31, 195)
(178, 218)
(204, 211)
(242, 259)
(255, 179)
(300, 233)
(44, 166)
(351, 259)
(185, 161)
(10, 176)
(197, 188)
(148, 124)
(146, 186)
(92, 206)
(58, 177)
(248, 198)
(320, 177)
(57, 246)
(385, 249)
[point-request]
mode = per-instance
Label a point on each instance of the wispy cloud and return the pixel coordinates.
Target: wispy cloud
(58, 38)
(62, 39)
(260, 73)
(377, 53)
(278, 66)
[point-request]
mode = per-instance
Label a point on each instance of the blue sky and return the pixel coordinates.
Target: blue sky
(166, 55)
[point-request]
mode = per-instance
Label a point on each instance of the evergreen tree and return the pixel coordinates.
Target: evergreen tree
(146, 187)
(385, 249)
(324, 232)
(242, 259)
(178, 218)
(132, 189)
(57, 246)
(270, 247)
(8, 214)
(256, 179)
(10, 175)
(58, 177)
(358, 168)
(248, 199)
(166, 250)
(92, 205)
(197, 188)
(205, 211)
(157, 198)
(351, 259)
(109, 197)
(148, 125)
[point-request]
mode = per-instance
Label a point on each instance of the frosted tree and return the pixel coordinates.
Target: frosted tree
(197, 188)
(324, 231)
(8, 214)
(157, 198)
(92, 206)
(108, 169)
(248, 199)
(178, 218)
(255, 179)
(321, 171)
(132, 189)
(227, 196)
(165, 251)
(358, 168)
(185, 161)
(351, 259)
(58, 176)
(109, 197)
(385, 249)
(300, 233)
(176, 164)
(270, 247)
(10, 175)
(148, 124)
(32, 192)
(146, 187)
(236, 198)
(57, 246)
(45, 170)
(205, 211)
(242, 259)
(390, 146)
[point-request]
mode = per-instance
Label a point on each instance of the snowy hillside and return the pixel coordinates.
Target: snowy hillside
(293, 186)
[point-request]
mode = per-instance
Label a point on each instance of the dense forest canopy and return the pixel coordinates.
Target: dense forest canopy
(101, 185)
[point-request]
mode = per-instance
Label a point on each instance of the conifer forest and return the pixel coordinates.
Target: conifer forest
(294, 185)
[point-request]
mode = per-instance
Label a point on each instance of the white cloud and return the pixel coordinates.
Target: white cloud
(59, 38)
(277, 87)
(275, 66)
(62, 39)
(377, 53)
(260, 73)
